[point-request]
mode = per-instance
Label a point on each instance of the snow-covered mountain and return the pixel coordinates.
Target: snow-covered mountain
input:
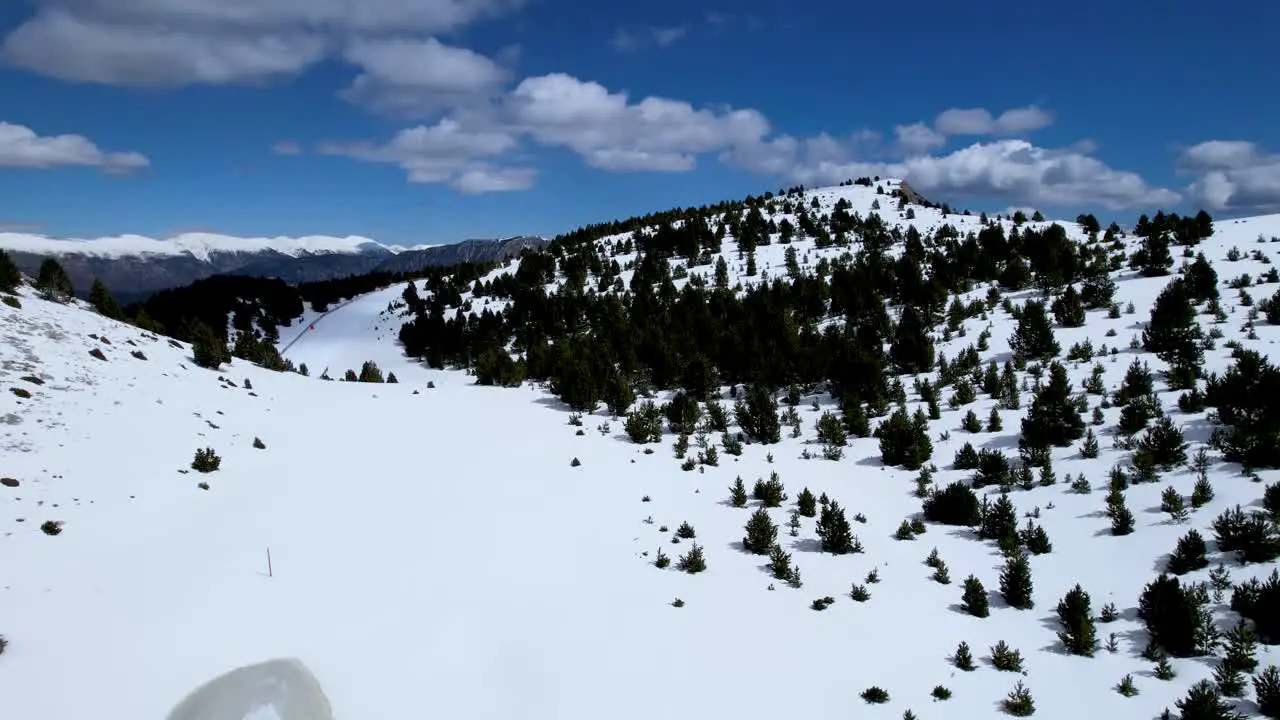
(437, 547)
(135, 266)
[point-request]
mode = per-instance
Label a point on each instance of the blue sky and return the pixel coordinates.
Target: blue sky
(433, 120)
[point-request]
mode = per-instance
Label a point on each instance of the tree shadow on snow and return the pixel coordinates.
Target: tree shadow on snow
(807, 545)
(1050, 623)
(1001, 442)
(1161, 563)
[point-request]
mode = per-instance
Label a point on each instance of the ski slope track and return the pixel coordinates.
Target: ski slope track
(426, 549)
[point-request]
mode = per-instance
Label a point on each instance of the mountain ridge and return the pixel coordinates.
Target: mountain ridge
(135, 266)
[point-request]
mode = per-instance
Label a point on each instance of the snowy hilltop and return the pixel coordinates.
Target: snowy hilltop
(894, 459)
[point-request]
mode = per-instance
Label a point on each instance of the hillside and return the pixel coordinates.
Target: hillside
(489, 552)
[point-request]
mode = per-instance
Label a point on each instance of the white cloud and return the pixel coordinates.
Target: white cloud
(627, 41)
(1012, 170)
(918, 138)
(979, 121)
(445, 152)
(612, 133)
(286, 147)
(1234, 175)
(418, 77)
(484, 178)
(181, 42)
(21, 147)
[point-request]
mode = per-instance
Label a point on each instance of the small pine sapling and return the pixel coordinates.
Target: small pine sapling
(1005, 658)
(206, 461)
(1172, 504)
(694, 561)
(904, 531)
(974, 600)
(1019, 702)
(941, 574)
(963, 658)
(1126, 687)
(1109, 613)
(1202, 492)
(875, 695)
(738, 493)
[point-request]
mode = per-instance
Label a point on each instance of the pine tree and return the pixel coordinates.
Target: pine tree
(780, 563)
(912, 349)
(834, 532)
(806, 503)
(1204, 702)
(1266, 691)
(1078, 634)
(832, 435)
(1171, 502)
(738, 493)
(1019, 702)
(1089, 448)
(1068, 309)
(1015, 582)
(974, 600)
(207, 348)
(52, 281)
(10, 275)
(1033, 337)
(1174, 335)
(963, 658)
(1153, 258)
(1189, 555)
(1201, 279)
(693, 561)
(761, 533)
(1122, 520)
(103, 301)
(1052, 418)
(1242, 646)
(1164, 444)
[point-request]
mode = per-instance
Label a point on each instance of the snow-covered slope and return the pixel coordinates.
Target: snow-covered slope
(433, 551)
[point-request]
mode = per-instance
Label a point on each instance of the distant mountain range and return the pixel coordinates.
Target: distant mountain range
(134, 266)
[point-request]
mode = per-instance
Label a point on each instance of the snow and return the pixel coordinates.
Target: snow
(197, 245)
(434, 553)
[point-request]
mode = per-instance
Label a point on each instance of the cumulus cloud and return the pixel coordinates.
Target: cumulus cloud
(1233, 175)
(979, 121)
(918, 138)
(419, 77)
(21, 147)
(627, 41)
(446, 152)
(182, 42)
(1011, 170)
(611, 132)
